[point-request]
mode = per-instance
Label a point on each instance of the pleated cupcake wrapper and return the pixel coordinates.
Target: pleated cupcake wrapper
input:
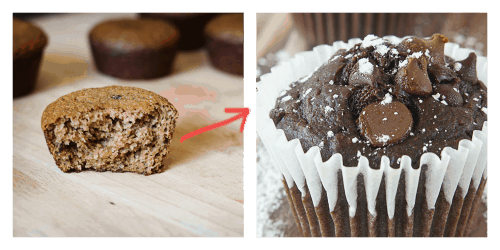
(325, 28)
(437, 199)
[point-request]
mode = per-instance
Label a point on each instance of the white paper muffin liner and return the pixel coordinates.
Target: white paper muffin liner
(462, 168)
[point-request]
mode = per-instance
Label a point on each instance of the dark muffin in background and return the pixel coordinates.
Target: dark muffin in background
(224, 36)
(134, 49)
(28, 45)
(190, 26)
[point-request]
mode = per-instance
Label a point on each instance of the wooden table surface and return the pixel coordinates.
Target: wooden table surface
(201, 192)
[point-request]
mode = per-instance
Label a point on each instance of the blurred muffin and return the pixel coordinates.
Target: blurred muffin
(190, 26)
(224, 36)
(28, 45)
(134, 49)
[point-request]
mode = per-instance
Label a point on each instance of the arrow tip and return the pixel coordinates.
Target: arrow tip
(245, 112)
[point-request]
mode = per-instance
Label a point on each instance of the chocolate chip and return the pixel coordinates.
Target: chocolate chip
(440, 73)
(466, 69)
(334, 68)
(449, 94)
(117, 97)
(413, 77)
(362, 95)
(384, 124)
(364, 72)
(344, 77)
(435, 45)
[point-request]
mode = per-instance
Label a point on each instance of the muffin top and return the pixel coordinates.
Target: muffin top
(28, 38)
(132, 34)
(388, 99)
(112, 97)
(228, 27)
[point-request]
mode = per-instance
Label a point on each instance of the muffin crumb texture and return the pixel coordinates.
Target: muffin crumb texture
(120, 129)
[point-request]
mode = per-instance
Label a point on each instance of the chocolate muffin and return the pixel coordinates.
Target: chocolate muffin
(28, 45)
(384, 99)
(190, 26)
(382, 139)
(224, 36)
(134, 49)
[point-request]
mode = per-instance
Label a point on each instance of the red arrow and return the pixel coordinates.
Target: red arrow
(243, 113)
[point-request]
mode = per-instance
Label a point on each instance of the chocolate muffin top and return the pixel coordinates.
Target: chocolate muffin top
(388, 99)
(28, 38)
(132, 34)
(228, 27)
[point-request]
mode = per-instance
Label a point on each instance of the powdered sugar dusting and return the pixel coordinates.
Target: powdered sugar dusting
(382, 49)
(383, 138)
(416, 55)
(405, 61)
(333, 59)
(387, 99)
(365, 66)
(286, 98)
(270, 195)
(328, 109)
(371, 40)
